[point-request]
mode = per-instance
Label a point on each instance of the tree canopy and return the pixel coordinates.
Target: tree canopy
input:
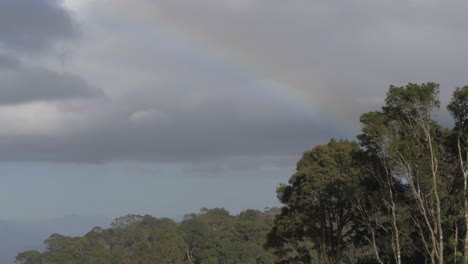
(400, 197)
(211, 236)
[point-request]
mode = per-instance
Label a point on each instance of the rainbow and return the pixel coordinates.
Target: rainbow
(140, 18)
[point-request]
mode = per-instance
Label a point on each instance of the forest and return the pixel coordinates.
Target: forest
(396, 194)
(211, 236)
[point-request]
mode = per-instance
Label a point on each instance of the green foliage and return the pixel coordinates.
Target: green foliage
(29, 257)
(317, 220)
(212, 236)
(401, 193)
(458, 107)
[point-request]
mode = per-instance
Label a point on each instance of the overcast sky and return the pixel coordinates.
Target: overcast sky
(110, 107)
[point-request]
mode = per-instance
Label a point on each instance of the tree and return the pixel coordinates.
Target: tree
(126, 221)
(383, 189)
(318, 215)
(29, 257)
(458, 107)
(212, 236)
(409, 145)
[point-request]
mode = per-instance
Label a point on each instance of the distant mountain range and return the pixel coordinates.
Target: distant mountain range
(18, 236)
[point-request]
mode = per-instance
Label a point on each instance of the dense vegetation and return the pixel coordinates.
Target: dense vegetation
(397, 195)
(212, 236)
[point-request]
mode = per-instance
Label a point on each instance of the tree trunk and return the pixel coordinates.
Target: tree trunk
(438, 218)
(455, 248)
(395, 228)
(465, 183)
(374, 245)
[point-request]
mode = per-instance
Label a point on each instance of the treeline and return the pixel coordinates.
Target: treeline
(209, 237)
(399, 194)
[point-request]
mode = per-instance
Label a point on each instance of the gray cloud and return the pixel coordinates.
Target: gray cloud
(335, 52)
(231, 89)
(7, 61)
(22, 84)
(219, 128)
(204, 88)
(34, 25)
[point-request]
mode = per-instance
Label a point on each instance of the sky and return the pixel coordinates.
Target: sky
(163, 107)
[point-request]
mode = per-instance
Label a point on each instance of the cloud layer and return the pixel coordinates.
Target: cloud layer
(23, 84)
(34, 25)
(33, 34)
(224, 81)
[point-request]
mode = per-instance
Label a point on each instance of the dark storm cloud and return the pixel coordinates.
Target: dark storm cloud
(212, 131)
(33, 25)
(8, 62)
(21, 84)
